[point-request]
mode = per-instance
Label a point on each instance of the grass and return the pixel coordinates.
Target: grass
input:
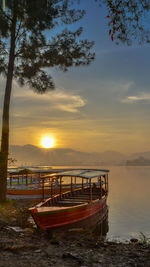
(6, 209)
(11, 213)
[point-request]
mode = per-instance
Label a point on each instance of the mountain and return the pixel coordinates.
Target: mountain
(31, 155)
(140, 161)
(145, 154)
(113, 156)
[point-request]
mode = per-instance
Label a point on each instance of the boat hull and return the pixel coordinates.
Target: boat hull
(12, 193)
(88, 223)
(66, 216)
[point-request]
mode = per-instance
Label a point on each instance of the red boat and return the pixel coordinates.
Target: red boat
(75, 205)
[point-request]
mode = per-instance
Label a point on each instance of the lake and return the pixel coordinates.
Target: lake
(129, 200)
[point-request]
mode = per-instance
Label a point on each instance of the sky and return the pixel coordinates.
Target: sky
(104, 106)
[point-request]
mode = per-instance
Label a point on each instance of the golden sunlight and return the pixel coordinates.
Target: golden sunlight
(47, 142)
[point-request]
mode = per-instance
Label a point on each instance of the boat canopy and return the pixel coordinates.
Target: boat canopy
(33, 171)
(83, 173)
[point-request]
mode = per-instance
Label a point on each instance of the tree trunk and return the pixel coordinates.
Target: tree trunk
(5, 119)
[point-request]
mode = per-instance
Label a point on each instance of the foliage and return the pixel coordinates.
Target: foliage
(127, 20)
(6, 208)
(25, 171)
(22, 216)
(36, 48)
(144, 239)
(13, 214)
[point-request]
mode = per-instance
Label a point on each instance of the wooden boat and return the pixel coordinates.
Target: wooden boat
(29, 185)
(75, 205)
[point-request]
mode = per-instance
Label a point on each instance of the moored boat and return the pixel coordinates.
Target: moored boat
(75, 205)
(27, 183)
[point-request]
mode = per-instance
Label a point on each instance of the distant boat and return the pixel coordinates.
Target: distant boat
(75, 205)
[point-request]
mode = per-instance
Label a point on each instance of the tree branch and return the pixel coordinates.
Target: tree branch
(17, 34)
(6, 16)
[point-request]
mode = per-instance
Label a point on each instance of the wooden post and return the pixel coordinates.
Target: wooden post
(106, 189)
(60, 186)
(105, 183)
(52, 187)
(26, 179)
(71, 185)
(90, 196)
(100, 187)
(39, 179)
(43, 189)
(18, 179)
(10, 180)
(82, 183)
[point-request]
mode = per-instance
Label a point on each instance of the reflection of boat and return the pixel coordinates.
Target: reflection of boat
(95, 226)
(75, 205)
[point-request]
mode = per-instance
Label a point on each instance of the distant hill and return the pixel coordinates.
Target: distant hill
(145, 154)
(140, 161)
(32, 155)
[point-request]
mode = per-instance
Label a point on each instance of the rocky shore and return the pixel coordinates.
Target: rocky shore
(24, 247)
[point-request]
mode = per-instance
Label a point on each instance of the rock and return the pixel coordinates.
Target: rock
(96, 258)
(76, 230)
(80, 244)
(73, 256)
(16, 229)
(55, 242)
(49, 251)
(111, 243)
(38, 251)
(134, 240)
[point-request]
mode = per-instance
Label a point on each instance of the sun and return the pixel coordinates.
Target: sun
(47, 142)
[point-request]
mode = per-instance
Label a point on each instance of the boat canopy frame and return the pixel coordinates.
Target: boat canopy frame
(78, 173)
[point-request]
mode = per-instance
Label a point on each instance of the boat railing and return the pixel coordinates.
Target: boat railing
(32, 181)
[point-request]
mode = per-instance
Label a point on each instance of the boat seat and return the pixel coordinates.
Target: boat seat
(71, 202)
(79, 199)
(74, 200)
(84, 197)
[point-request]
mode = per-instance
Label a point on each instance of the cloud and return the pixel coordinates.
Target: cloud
(59, 99)
(143, 97)
(67, 102)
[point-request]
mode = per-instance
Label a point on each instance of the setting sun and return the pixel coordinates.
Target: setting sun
(47, 142)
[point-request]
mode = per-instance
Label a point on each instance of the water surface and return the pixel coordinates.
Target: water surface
(129, 200)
